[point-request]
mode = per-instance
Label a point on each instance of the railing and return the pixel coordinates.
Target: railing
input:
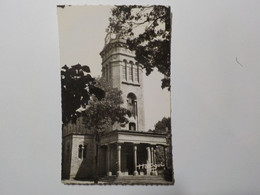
(154, 167)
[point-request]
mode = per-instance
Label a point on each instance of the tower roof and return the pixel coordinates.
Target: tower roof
(112, 39)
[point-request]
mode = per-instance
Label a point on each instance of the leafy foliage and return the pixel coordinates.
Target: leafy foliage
(148, 33)
(77, 86)
(102, 114)
(163, 126)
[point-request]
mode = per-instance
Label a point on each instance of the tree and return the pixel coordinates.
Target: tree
(77, 86)
(148, 33)
(163, 126)
(102, 114)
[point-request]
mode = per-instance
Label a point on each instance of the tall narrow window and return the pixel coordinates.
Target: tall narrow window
(135, 75)
(131, 71)
(124, 70)
(82, 151)
(132, 104)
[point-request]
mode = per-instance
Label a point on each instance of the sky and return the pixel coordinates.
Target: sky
(81, 39)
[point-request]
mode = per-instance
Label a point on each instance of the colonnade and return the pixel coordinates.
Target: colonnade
(151, 159)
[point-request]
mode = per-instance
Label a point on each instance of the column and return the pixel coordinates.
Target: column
(119, 159)
(135, 160)
(152, 160)
(148, 155)
(154, 156)
(148, 164)
(152, 171)
(109, 173)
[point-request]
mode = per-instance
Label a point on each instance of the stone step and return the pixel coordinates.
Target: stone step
(108, 179)
(139, 180)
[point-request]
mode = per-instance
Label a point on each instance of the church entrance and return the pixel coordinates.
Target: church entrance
(128, 159)
(130, 163)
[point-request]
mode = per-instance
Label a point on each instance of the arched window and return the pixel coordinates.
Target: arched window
(132, 104)
(129, 72)
(82, 151)
(132, 126)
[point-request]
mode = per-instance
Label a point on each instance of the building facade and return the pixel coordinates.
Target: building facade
(121, 151)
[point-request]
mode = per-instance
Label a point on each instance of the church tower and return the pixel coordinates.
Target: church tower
(122, 71)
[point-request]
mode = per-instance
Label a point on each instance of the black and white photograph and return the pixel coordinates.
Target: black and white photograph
(129, 97)
(115, 87)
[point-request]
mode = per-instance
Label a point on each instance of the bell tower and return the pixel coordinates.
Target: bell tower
(122, 71)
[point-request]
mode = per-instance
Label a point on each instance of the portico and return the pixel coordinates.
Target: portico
(131, 152)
